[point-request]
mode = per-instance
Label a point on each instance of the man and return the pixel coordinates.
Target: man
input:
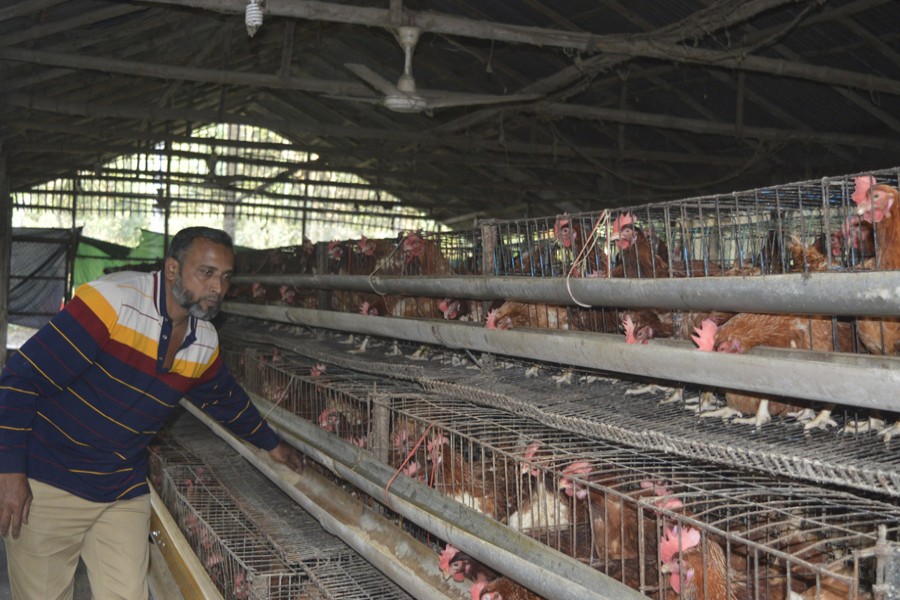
(82, 399)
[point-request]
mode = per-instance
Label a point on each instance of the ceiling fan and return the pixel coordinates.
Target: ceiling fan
(405, 98)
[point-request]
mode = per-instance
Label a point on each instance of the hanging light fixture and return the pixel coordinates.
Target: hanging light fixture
(253, 16)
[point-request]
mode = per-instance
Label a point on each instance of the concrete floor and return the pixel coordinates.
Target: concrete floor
(82, 586)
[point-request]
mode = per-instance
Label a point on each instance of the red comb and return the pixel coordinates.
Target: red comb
(446, 556)
(561, 221)
(581, 467)
(669, 546)
(628, 325)
(622, 221)
(863, 188)
(705, 336)
(477, 588)
(491, 322)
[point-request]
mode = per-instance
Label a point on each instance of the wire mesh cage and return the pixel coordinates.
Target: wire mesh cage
(238, 558)
(798, 227)
(833, 224)
(252, 539)
(650, 519)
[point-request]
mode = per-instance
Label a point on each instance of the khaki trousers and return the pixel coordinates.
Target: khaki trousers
(111, 538)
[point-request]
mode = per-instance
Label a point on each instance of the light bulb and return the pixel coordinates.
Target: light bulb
(253, 17)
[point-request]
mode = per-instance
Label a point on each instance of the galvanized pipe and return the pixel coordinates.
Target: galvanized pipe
(856, 380)
(533, 564)
(866, 293)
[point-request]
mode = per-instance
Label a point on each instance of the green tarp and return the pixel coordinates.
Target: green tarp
(93, 256)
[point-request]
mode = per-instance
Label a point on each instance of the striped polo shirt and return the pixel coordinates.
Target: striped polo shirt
(84, 396)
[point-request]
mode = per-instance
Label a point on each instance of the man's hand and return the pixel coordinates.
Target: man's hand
(15, 502)
(288, 456)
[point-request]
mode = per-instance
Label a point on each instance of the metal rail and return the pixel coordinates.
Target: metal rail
(528, 561)
(864, 293)
(185, 569)
(849, 379)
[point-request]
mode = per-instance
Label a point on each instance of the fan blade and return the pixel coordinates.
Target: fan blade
(374, 79)
(440, 99)
(366, 99)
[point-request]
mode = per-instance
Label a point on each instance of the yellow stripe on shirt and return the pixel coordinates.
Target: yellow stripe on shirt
(129, 386)
(105, 416)
(38, 369)
(98, 304)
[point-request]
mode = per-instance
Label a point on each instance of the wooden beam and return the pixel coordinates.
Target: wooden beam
(711, 128)
(157, 114)
(696, 26)
(644, 45)
(430, 21)
(106, 13)
(22, 9)
(5, 254)
(174, 72)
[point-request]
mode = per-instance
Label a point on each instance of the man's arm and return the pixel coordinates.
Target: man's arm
(45, 365)
(51, 359)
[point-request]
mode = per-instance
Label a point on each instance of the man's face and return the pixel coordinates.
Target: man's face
(200, 284)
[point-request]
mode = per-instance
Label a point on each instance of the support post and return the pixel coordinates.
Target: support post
(5, 254)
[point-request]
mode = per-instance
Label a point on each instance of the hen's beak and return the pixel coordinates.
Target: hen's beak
(613, 237)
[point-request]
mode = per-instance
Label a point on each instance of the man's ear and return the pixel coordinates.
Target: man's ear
(170, 268)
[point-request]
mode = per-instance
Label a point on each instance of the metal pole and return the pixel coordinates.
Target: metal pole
(869, 293)
(5, 255)
(857, 380)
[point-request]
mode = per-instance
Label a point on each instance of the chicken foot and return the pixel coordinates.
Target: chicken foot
(362, 347)
(889, 432)
(870, 424)
(822, 421)
(724, 412)
(761, 418)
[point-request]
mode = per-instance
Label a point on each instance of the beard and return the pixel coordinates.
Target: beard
(192, 304)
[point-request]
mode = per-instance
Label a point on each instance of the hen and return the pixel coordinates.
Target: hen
(880, 206)
(502, 589)
(854, 243)
(460, 309)
(459, 566)
(624, 536)
(590, 261)
(651, 323)
(467, 480)
(512, 315)
(541, 506)
(806, 259)
(691, 574)
(745, 331)
(423, 256)
(637, 255)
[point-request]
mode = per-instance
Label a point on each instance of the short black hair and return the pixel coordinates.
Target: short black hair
(184, 238)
